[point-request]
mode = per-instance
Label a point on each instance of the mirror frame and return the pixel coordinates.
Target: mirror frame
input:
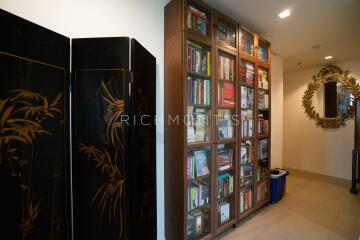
(330, 72)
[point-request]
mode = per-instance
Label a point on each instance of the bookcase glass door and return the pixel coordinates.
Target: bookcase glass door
(198, 121)
(226, 95)
(246, 42)
(246, 175)
(198, 182)
(263, 51)
(226, 32)
(263, 159)
(225, 183)
(198, 18)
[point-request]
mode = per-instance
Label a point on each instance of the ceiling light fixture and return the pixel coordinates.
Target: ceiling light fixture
(284, 13)
(328, 57)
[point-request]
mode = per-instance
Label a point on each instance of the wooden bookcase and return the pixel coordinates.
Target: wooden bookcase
(217, 121)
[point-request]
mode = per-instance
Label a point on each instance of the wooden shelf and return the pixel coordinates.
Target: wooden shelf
(176, 98)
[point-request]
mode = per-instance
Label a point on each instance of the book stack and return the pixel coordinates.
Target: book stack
(247, 43)
(262, 192)
(226, 94)
(247, 73)
(225, 126)
(263, 125)
(245, 199)
(225, 34)
(262, 170)
(197, 164)
(225, 68)
(263, 149)
(197, 20)
(225, 185)
(195, 224)
(247, 123)
(262, 53)
(224, 211)
(198, 195)
(246, 175)
(198, 59)
(247, 98)
(198, 124)
(247, 153)
(263, 82)
(199, 91)
(224, 158)
(263, 100)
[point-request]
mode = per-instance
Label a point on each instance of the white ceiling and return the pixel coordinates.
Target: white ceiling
(334, 24)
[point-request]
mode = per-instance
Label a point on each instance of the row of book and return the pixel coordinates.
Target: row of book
(225, 124)
(247, 123)
(247, 43)
(263, 148)
(247, 153)
(262, 192)
(263, 81)
(263, 125)
(198, 195)
(197, 20)
(246, 199)
(198, 59)
(226, 68)
(197, 224)
(247, 73)
(224, 158)
(263, 100)
(247, 98)
(197, 163)
(246, 175)
(226, 34)
(198, 124)
(224, 209)
(199, 91)
(262, 170)
(225, 185)
(263, 52)
(226, 94)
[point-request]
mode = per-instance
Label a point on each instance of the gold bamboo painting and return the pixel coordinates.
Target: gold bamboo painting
(106, 158)
(23, 114)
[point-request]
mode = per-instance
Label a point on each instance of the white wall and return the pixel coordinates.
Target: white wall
(277, 68)
(306, 146)
(140, 19)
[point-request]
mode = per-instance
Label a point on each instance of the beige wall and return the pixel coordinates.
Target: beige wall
(276, 111)
(306, 146)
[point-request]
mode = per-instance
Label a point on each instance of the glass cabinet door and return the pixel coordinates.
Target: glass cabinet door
(226, 32)
(263, 51)
(226, 95)
(198, 18)
(263, 102)
(198, 121)
(198, 176)
(246, 42)
(246, 172)
(225, 184)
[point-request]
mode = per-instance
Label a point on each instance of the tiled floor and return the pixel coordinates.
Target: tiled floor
(311, 209)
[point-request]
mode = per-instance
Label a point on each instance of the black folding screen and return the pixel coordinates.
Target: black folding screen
(33, 131)
(113, 193)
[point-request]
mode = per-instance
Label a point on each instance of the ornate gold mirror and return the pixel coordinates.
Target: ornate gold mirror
(329, 98)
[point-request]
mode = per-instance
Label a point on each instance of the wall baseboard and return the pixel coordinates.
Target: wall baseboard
(319, 177)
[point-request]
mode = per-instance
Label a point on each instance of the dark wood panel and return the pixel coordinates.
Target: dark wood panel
(34, 185)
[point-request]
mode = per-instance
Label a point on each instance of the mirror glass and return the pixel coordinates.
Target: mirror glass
(332, 99)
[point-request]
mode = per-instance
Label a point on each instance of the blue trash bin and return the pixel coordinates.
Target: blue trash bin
(277, 184)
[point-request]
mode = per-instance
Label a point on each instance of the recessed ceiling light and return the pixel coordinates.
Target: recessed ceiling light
(284, 13)
(328, 57)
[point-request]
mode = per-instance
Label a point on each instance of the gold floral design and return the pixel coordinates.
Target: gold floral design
(22, 115)
(110, 194)
(330, 72)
